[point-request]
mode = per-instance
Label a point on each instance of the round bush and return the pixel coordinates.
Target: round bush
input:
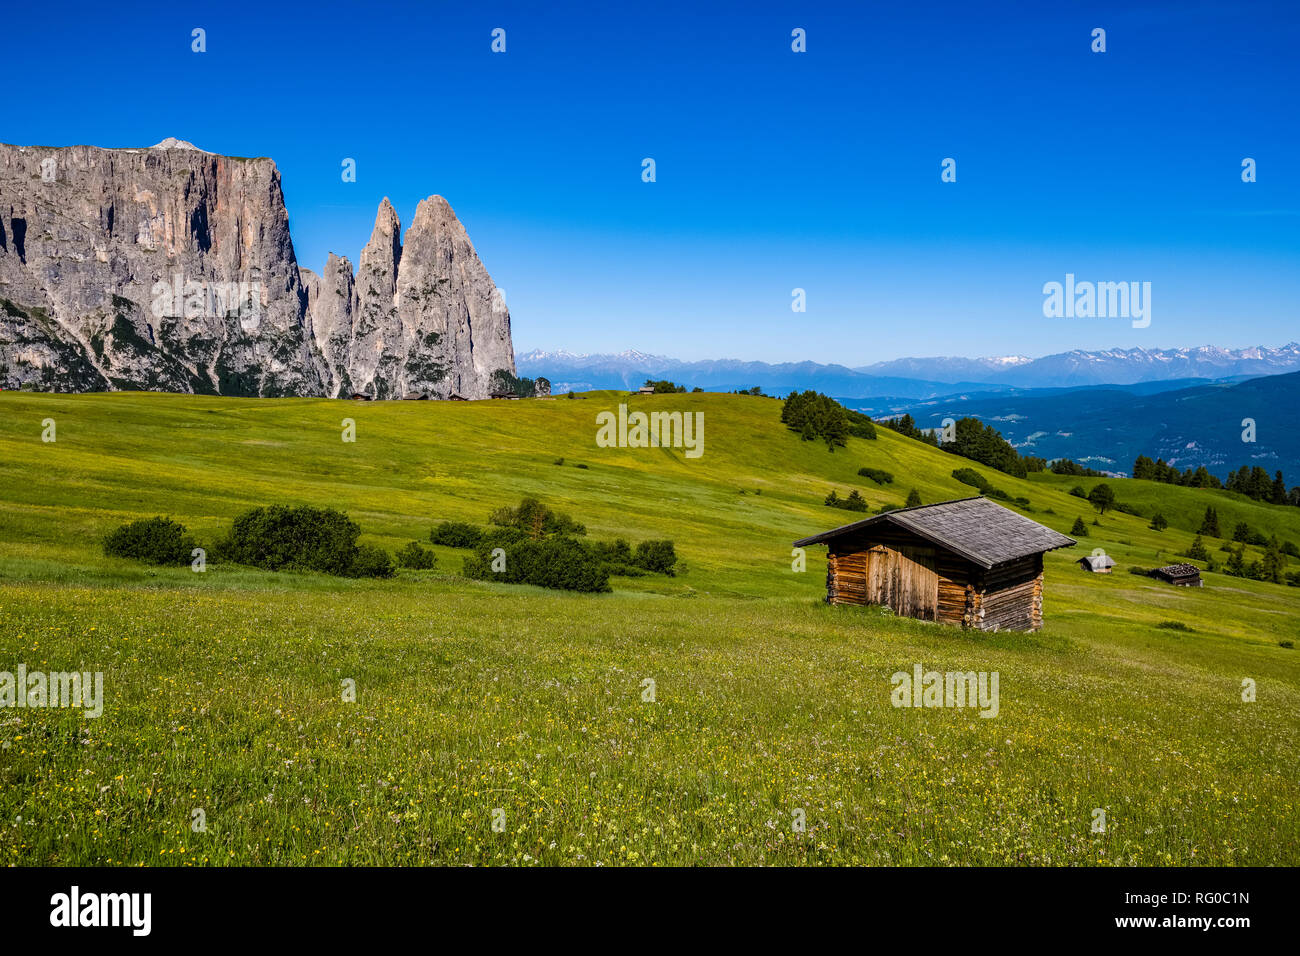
(155, 540)
(370, 562)
(456, 534)
(416, 558)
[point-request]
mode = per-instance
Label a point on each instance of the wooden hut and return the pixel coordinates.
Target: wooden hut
(969, 562)
(1096, 563)
(1183, 575)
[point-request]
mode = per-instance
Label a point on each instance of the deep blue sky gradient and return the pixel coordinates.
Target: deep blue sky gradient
(775, 170)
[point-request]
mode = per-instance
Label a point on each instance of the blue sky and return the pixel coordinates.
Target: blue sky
(775, 170)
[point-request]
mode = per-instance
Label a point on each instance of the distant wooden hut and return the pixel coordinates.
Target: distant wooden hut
(360, 397)
(453, 397)
(645, 390)
(1096, 563)
(1183, 575)
(415, 397)
(969, 562)
(505, 396)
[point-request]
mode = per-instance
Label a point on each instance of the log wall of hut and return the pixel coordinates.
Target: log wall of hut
(916, 579)
(1009, 597)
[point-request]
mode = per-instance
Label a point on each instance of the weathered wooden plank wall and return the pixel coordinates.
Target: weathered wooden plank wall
(919, 580)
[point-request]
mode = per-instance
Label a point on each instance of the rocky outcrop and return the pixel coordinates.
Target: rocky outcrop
(172, 269)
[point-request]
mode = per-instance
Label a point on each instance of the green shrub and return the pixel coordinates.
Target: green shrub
(657, 557)
(879, 476)
(416, 558)
(456, 534)
(1158, 522)
(371, 562)
(617, 551)
(557, 562)
(281, 538)
(155, 540)
(618, 557)
(913, 499)
(969, 476)
(500, 537)
(1174, 626)
(1079, 529)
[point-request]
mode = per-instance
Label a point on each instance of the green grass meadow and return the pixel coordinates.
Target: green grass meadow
(771, 738)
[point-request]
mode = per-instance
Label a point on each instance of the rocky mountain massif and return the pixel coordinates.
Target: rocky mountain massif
(172, 269)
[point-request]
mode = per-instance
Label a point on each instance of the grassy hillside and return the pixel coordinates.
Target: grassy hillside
(223, 689)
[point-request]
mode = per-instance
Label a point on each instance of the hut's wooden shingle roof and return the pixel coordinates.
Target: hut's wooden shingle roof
(978, 529)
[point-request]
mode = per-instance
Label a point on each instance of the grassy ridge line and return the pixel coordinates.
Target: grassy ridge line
(202, 460)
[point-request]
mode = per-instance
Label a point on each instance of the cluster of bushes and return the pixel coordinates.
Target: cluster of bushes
(536, 520)
(277, 538)
(563, 563)
(666, 387)
(533, 544)
(816, 416)
(877, 475)
(969, 476)
(1271, 568)
(854, 501)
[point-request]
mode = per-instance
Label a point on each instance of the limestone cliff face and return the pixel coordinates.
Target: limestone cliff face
(172, 269)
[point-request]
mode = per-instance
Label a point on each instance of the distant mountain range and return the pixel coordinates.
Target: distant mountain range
(1106, 428)
(915, 378)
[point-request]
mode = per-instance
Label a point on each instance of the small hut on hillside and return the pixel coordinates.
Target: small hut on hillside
(969, 562)
(1096, 563)
(1183, 575)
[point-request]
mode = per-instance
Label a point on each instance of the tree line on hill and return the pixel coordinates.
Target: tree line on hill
(983, 443)
(1251, 481)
